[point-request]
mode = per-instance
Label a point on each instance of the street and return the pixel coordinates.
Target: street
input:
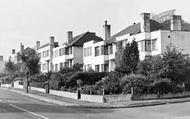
(17, 106)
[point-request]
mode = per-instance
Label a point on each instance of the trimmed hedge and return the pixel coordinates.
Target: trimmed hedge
(88, 78)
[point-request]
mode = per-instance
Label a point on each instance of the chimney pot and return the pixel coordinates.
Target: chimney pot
(69, 36)
(145, 22)
(37, 45)
(21, 47)
(13, 51)
(1, 58)
(176, 22)
(106, 31)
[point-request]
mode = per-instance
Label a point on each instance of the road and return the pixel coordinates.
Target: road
(17, 106)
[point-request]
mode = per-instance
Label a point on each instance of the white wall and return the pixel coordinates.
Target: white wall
(95, 60)
(180, 39)
(44, 60)
(78, 55)
(17, 85)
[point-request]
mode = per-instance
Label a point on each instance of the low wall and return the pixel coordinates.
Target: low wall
(16, 85)
(64, 94)
(92, 98)
(38, 89)
(117, 98)
(6, 85)
(165, 96)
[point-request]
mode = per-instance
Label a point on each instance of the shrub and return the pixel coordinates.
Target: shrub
(57, 80)
(137, 82)
(89, 89)
(38, 84)
(88, 78)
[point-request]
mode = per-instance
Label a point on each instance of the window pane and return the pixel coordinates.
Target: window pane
(97, 51)
(148, 45)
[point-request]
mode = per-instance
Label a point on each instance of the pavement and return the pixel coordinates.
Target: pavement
(68, 102)
(17, 105)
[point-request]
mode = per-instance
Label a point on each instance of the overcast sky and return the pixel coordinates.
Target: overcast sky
(27, 21)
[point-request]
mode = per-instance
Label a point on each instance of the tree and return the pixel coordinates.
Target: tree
(127, 60)
(30, 60)
(175, 65)
(134, 56)
(11, 68)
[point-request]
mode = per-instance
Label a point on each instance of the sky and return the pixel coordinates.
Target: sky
(28, 21)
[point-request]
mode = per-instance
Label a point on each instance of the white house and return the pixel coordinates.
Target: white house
(54, 57)
(97, 55)
(153, 33)
(2, 65)
(45, 52)
(71, 52)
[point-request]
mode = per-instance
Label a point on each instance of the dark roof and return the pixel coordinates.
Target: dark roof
(82, 38)
(154, 25)
(56, 44)
(45, 45)
(133, 29)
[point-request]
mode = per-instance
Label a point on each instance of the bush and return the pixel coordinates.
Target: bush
(137, 82)
(89, 89)
(57, 80)
(88, 78)
(38, 84)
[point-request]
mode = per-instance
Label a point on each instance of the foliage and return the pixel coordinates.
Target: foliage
(145, 67)
(57, 80)
(10, 67)
(88, 78)
(175, 65)
(79, 83)
(75, 68)
(30, 60)
(127, 60)
(137, 82)
(89, 89)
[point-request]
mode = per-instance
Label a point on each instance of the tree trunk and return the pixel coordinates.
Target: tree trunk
(27, 83)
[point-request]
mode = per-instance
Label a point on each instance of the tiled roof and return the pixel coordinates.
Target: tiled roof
(154, 25)
(45, 45)
(133, 29)
(84, 37)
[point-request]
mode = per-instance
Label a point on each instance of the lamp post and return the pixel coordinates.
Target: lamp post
(27, 82)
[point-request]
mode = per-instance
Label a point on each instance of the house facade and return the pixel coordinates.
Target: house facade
(98, 55)
(2, 65)
(54, 57)
(153, 34)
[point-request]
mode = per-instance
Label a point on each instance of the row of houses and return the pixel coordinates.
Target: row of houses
(153, 33)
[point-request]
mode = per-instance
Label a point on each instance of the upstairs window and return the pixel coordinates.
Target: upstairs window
(154, 45)
(104, 50)
(70, 50)
(110, 49)
(146, 45)
(97, 51)
(46, 53)
(61, 51)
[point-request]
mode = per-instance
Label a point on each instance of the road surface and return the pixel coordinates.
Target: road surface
(17, 106)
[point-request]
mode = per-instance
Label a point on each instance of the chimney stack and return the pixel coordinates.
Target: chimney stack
(51, 44)
(69, 36)
(1, 58)
(13, 51)
(106, 31)
(145, 22)
(37, 45)
(176, 22)
(21, 47)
